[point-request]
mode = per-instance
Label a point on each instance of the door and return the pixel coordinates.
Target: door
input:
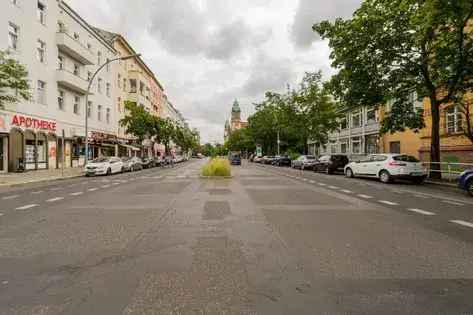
(376, 164)
(2, 155)
(363, 167)
(395, 147)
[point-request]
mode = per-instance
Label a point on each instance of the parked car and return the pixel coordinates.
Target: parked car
(132, 164)
(257, 159)
(388, 167)
(148, 162)
(304, 162)
(282, 160)
(268, 159)
(235, 159)
(331, 164)
(466, 181)
(104, 166)
(158, 160)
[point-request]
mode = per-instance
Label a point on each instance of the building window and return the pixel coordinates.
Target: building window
(41, 12)
(119, 81)
(142, 88)
(108, 89)
(343, 123)
(89, 46)
(13, 33)
(99, 85)
(15, 2)
(132, 86)
(61, 27)
(371, 144)
(60, 100)
(76, 104)
(99, 113)
(333, 147)
(41, 92)
(344, 146)
(60, 62)
(371, 116)
(107, 117)
(414, 99)
(453, 120)
(41, 51)
(108, 65)
(356, 145)
(89, 76)
(119, 105)
(356, 119)
(76, 36)
(99, 58)
(395, 147)
(76, 69)
(89, 109)
(124, 84)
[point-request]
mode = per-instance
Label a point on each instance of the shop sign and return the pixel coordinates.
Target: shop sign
(33, 123)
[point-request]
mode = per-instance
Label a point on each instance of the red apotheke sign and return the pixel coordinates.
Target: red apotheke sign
(34, 123)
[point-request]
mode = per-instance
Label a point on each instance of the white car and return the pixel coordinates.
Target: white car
(104, 166)
(388, 167)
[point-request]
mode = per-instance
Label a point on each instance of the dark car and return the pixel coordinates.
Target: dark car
(268, 159)
(235, 159)
(331, 164)
(466, 181)
(282, 160)
(148, 162)
(132, 164)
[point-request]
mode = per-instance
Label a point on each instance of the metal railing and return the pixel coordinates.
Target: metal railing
(449, 170)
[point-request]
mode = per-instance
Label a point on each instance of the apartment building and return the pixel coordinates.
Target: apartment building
(358, 134)
(60, 51)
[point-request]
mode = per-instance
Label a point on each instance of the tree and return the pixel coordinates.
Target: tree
(164, 132)
(13, 81)
(185, 138)
(241, 140)
(138, 122)
(391, 48)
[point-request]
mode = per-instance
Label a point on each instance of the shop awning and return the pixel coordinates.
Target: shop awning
(130, 147)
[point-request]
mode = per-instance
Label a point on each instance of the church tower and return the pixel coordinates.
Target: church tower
(236, 112)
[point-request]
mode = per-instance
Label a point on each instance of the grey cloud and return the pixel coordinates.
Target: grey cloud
(229, 40)
(310, 12)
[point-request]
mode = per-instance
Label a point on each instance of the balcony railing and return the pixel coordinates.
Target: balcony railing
(74, 48)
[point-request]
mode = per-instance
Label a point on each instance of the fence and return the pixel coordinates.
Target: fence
(450, 171)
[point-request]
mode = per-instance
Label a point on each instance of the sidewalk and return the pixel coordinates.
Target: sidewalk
(13, 179)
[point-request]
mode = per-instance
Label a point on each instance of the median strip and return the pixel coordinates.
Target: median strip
(421, 211)
(464, 223)
(27, 207)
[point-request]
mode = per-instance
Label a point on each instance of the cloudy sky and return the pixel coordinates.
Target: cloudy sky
(206, 53)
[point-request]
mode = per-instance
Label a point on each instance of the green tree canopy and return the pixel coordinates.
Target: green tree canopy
(391, 48)
(13, 81)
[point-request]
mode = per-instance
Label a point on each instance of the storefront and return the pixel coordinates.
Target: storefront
(26, 142)
(102, 144)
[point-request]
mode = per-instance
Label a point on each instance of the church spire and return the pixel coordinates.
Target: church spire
(236, 107)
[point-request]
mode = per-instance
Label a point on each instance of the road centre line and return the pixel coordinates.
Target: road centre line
(37, 192)
(421, 211)
(76, 193)
(365, 196)
(322, 184)
(105, 186)
(1, 214)
(333, 187)
(27, 207)
(390, 203)
(55, 199)
(347, 191)
(312, 181)
(453, 203)
(92, 189)
(464, 223)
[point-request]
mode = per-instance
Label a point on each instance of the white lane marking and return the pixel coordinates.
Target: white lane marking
(333, 187)
(390, 203)
(37, 192)
(312, 181)
(27, 207)
(365, 196)
(55, 189)
(93, 189)
(114, 184)
(10, 197)
(76, 193)
(181, 176)
(421, 196)
(453, 203)
(421, 211)
(322, 184)
(305, 179)
(55, 199)
(464, 223)
(347, 191)
(105, 186)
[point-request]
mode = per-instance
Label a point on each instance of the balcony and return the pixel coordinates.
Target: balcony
(74, 48)
(71, 81)
(372, 127)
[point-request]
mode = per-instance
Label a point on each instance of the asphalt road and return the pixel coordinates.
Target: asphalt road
(267, 241)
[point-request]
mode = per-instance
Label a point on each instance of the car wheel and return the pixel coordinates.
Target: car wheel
(109, 171)
(302, 167)
(327, 171)
(122, 170)
(349, 173)
(385, 177)
(469, 187)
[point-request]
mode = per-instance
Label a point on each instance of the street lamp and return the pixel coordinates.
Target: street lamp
(87, 100)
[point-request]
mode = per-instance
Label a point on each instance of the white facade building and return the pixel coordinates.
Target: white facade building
(60, 51)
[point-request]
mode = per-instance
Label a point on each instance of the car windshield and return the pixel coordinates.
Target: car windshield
(405, 158)
(310, 157)
(101, 160)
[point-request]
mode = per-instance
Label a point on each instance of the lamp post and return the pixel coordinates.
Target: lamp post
(87, 100)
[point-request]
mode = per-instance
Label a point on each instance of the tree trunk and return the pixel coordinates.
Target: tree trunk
(435, 140)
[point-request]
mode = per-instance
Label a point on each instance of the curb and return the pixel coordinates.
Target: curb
(452, 185)
(40, 181)
(215, 177)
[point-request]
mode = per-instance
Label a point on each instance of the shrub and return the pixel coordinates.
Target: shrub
(217, 167)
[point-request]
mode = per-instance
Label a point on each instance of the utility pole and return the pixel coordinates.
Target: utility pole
(87, 101)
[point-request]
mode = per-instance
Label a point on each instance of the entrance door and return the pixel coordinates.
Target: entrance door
(395, 147)
(2, 155)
